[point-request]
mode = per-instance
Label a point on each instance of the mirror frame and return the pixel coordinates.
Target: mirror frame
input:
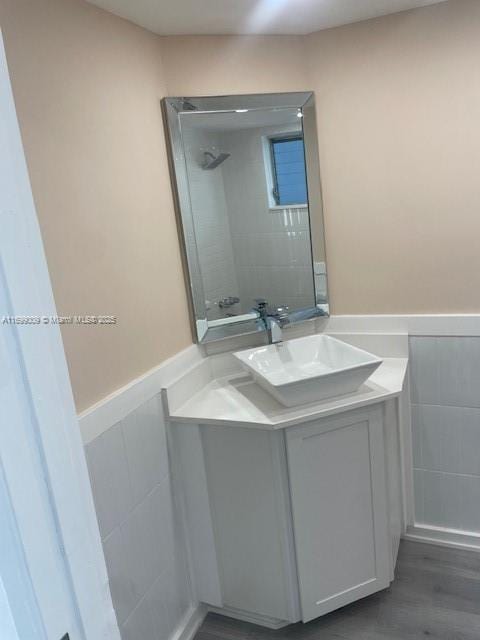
(172, 109)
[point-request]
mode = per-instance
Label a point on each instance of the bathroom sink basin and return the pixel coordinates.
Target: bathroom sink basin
(308, 369)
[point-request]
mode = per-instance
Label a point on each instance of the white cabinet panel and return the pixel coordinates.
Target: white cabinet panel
(190, 480)
(394, 477)
(338, 487)
(249, 499)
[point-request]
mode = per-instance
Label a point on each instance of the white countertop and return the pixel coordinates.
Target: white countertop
(236, 400)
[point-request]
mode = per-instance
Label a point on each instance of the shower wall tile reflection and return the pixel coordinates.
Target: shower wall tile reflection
(246, 248)
(271, 246)
(211, 220)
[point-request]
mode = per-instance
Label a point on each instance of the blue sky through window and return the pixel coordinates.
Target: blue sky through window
(289, 171)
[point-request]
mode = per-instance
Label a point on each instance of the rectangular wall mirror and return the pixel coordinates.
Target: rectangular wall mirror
(246, 180)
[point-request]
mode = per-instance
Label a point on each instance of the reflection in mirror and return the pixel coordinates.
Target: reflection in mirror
(247, 184)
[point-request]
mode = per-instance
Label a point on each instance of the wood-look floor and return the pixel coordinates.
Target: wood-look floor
(435, 595)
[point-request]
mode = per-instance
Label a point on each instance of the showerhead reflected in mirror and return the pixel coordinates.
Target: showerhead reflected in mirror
(249, 195)
(211, 161)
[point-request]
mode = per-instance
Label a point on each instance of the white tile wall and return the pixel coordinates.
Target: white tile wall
(448, 500)
(445, 388)
(108, 467)
(447, 439)
(145, 558)
(446, 371)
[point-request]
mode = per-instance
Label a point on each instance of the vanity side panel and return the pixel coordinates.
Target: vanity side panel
(339, 501)
(394, 477)
(249, 498)
(190, 478)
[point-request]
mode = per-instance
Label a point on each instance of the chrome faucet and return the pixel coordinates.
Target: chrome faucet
(273, 320)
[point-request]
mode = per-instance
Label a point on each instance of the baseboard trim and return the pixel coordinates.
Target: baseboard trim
(444, 537)
(115, 407)
(248, 616)
(190, 624)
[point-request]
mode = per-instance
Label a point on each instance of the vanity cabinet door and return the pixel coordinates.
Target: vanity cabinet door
(338, 488)
(249, 501)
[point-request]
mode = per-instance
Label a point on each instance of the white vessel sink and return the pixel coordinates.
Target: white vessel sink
(308, 369)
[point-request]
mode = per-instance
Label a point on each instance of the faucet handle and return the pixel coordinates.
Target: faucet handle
(261, 303)
(281, 314)
(283, 309)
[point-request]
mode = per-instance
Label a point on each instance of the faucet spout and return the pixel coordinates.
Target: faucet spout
(274, 332)
(273, 320)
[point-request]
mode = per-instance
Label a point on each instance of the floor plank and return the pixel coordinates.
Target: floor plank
(435, 595)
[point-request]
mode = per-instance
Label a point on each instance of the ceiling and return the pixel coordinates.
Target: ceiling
(175, 17)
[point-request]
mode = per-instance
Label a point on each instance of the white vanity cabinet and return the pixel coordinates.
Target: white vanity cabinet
(339, 503)
(294, 522)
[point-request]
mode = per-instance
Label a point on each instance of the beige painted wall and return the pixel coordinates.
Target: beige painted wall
(217, 65)
(87, 87)
(398, 114)
(398, 102)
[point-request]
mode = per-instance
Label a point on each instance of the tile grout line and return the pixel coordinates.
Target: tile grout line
(448, 473)
(446, 406)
